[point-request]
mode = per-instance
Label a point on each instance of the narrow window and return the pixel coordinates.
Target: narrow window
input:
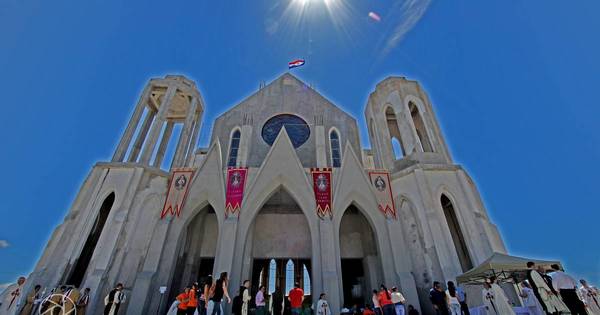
(289, 276)
(420, 127)
(233, 149)
(306, 281)
(336, 154)
(456, 233)
(272, 275)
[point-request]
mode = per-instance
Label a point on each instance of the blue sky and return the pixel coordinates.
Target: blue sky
(513, 84)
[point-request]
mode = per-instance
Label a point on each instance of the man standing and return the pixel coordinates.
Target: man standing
(398, 300)
(296, 297)
(113, 300)
(567, 287)
(83, 302)
(437, 296)
(9, 300)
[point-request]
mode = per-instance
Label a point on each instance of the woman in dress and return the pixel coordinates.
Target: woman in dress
(376, 305)
(452, 298)
(245, 294)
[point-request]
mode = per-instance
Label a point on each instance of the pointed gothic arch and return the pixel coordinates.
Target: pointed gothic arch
(420, 127)
(83, 261)
(458, 237)
(394, 132)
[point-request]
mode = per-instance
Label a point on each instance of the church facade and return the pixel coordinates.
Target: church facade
(114, 231)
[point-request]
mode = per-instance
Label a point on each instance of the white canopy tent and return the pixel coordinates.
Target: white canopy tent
(504, 267)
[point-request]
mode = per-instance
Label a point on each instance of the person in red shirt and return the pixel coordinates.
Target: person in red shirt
(183, 299)
(368, 310)
(193, 300)
(385, 300)
(296, 296)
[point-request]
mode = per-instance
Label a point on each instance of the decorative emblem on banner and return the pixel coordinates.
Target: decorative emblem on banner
(236, 180)
(178, 188)
(380, 179)
(322, 188)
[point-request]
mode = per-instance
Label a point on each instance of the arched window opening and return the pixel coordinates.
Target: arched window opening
(394, 131)
(456, 233)
(82, 263)
(420, 127)
(336, 154)
(289, 276)
(233, 148)
(272, 275)
(306, 277)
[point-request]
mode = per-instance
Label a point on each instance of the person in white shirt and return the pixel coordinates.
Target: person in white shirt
(591, 298)
(567, 287)
(398, 300)
(323, 306)
(529, 300)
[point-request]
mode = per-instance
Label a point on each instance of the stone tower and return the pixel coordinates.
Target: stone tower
(87, 249)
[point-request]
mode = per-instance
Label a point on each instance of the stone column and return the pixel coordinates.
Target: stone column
(164, 142)
(137, 146)
(121, 150)
(192, 146)
(330, 282)
(157, 125)
(184, 138)
(321, 146)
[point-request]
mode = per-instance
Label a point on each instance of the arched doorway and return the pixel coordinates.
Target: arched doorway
(83, 261)
(279, 246)
(360, 261)
(196, 255)
(456, 233)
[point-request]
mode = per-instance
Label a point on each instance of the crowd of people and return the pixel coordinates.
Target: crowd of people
(61, 300)
(542, 294)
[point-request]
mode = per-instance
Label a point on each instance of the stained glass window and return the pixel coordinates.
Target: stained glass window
(296, 128)
(233, 149)
(336, 154)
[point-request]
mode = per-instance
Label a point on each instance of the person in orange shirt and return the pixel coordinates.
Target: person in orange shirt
(385, 300)
(193, 300)
(183, 299)
(368, 310)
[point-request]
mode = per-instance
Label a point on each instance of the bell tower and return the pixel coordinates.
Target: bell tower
(164, 104)
(402, 127)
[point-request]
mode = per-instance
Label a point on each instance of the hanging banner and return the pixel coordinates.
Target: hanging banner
(380, 179)
(322, 187)
(178, 188)
(236, 180)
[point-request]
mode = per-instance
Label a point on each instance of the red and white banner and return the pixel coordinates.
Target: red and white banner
(236, 180)
(380, 179)
(178, 188)
(322, 187)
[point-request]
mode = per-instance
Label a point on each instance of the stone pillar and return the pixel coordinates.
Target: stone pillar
(244, 149)
(184, 138)
(192, 146)
(164, 142)
(330, 260)
(121, 150)
(321, 146)
(137, 146)
(157, 125)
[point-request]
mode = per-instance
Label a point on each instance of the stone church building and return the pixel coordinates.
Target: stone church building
(114, 232)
